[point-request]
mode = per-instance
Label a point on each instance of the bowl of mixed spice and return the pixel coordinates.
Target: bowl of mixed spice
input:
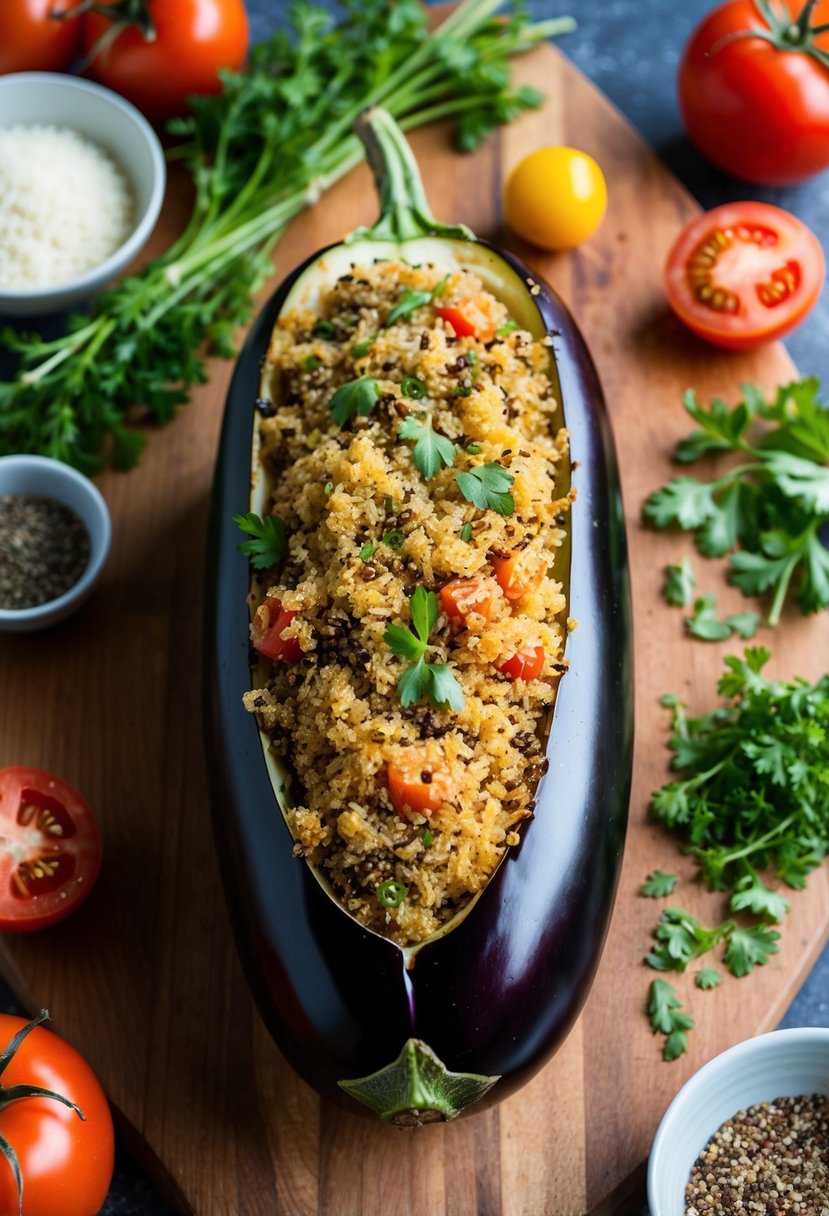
(748, 1133)
(55, 535)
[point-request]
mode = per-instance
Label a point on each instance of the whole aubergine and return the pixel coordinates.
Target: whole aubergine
(421, 1033)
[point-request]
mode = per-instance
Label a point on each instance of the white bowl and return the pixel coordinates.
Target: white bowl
(50, 478)
(783, 1063)
(40, 98)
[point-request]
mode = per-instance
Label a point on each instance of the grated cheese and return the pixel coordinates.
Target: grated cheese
(65, 206)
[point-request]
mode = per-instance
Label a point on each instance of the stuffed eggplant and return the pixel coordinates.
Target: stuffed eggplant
(420, 911)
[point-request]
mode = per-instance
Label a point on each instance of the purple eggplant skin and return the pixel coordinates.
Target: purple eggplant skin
(498, 993)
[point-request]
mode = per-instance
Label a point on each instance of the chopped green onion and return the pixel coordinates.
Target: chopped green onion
(360, 349)
(474, 449)
(324, 329)
(311, 363)
(508, 327)
(409, 302)
(466, 532)
(441, 286)
(393, 507)
(391, 893)
(394, 539)
(462, 390)
(329, 487)
(427, 838)
(412, 387)
(367, 550)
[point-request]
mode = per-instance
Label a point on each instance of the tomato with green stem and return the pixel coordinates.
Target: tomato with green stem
(35, 38)
(56, 1130)
(50, 849)
(744, 274)
(157, 53)
(754, 89)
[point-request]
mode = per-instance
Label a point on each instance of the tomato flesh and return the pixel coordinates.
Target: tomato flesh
(464, 597)
(50, 849)
(266, 634)
(468, 321)
(518, 572)
(66, 1161)
(743, 274)
(416, 786)
(525, 664)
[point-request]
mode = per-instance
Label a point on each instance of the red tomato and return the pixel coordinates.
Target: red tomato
(50, 849)
(466, 595)
(32, 41)
(759, 106)
(66, 1161)
(266, 632)
(416, 786)
(192, 40)
(743, 274)
(525, 664)
(468, 320)
(518, 572)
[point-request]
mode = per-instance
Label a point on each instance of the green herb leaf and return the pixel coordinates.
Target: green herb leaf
(752, 895)
(704, 624)
(750, 948)
(444, 688)
(414, 684)
(659, 884)
(681, 938)
(268, 546)
(311, 363)
(360, 349)
(487, 486)
(357, 397)
(431, 451)
(743, 623)
(367, 550)
(679, 583)
(428, 838)
(508, 327)
(466, 532)
(707, 978)
(668, 1017)
(424, 609)
(324, 329)
(409, 302)
(420, 681)
(403, 643)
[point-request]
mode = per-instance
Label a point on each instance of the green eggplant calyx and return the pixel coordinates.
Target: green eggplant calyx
(417, 1088)
(404, 210)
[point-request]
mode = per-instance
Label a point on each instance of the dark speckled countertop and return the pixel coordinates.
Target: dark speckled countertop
(630, 49)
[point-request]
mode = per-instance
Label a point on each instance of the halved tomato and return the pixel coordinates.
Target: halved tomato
(744, 274)
(50, 849)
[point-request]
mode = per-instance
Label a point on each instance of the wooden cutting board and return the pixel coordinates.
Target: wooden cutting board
(144, 979)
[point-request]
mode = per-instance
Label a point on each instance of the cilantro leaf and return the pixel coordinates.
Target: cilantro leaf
(707, 978)
(683, 501)
(751, 894)
(420, 681)
(403, 642)
(487, 486)
(424, 610)
(444, 688)
(413, 684)
(658, 884)
(357, 397)
(681, 938)
(679, 583)
(268, 546)
(668, 1017)
(410, 301)
(704, 624)
(743, 623)
(431, 450)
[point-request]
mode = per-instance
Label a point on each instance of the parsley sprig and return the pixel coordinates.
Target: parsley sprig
(356, 397)
(669, 1018)
(487, 486)
(268, 546)
(431, 451)
(769, 512)
(421, 680)
(279, 133)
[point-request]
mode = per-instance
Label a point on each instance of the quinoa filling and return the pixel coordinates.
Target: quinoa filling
(410, 641)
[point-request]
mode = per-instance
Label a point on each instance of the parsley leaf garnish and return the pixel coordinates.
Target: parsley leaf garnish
(705, 624)
(658, 884)
(268, 546)
(431, 450)
(707, 978)
(419, 681)
(410, 301)
(769, 513)
(357, 397)
(680, 584)
(487, 486)
(667, 1017)
(750, 948)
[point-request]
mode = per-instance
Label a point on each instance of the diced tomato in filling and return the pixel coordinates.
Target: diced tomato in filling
(464, 596)
(468, 320)
(417, 787)
(524, 664)
(267, 626)
(518, 572)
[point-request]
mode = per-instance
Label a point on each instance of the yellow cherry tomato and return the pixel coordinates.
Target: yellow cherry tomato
(555, 197)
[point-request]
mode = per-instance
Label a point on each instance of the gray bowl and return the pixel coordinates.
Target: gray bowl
(115, 125)
(51, 479)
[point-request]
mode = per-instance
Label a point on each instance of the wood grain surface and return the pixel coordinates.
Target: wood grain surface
(144, 979)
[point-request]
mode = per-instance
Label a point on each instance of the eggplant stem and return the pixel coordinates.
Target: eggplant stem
(404, 209)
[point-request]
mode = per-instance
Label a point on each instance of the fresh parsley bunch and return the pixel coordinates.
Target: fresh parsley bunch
(754, 790)
(433, 681)
(771, 511)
